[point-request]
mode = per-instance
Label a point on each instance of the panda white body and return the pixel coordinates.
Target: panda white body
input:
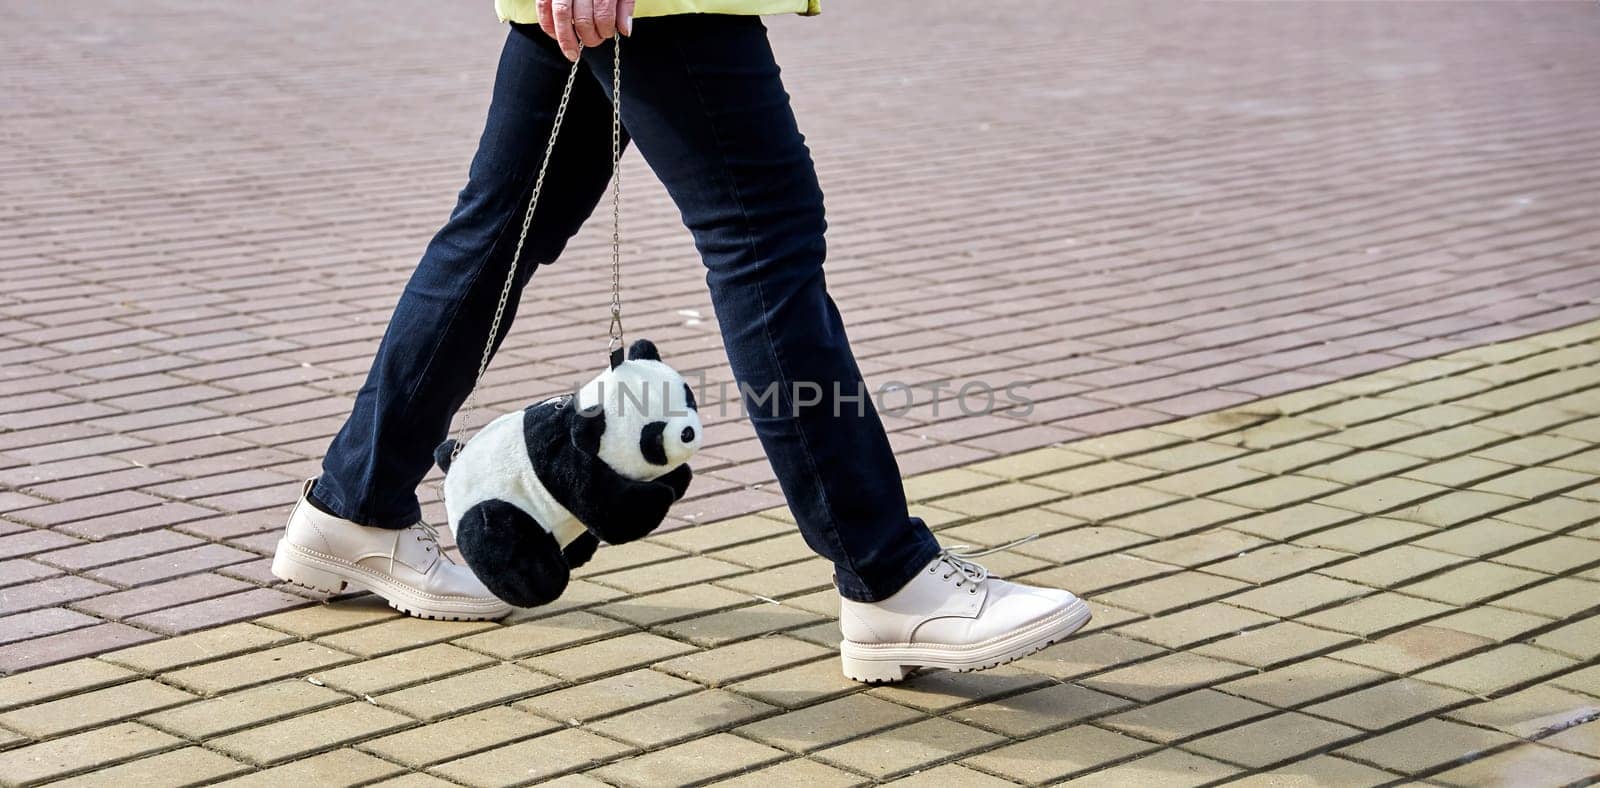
(495, 464)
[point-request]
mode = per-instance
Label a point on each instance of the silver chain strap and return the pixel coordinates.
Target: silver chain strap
(527, 220)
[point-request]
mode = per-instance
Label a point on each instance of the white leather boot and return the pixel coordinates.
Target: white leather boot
(405, 567)
(952, 615)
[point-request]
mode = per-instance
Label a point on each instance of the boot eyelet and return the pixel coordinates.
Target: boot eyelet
(972, 590)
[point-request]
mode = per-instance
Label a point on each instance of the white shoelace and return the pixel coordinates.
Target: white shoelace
(425, 533)
(958, 557)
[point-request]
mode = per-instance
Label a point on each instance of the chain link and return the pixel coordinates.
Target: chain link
(527, 221)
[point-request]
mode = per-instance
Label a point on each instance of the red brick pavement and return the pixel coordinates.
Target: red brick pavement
(1143, 211)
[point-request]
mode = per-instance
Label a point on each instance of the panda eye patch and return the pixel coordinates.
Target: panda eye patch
(688, 397)
(652, 443)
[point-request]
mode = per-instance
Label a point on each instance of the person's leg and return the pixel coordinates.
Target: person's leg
(425, 365)
(703, 102)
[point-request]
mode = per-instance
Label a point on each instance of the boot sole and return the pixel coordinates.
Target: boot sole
(883, 663)
(310, 569)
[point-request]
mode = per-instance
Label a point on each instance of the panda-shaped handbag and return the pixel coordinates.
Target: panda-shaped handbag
(533, 493)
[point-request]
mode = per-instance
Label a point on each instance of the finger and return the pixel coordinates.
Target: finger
(625, 16)
(547, 21)
(605, 19)
(583, 22)
(562, 11)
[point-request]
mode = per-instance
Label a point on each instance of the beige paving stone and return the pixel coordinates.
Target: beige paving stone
(227, 713)
(1586, 681)
(796, 578)
(1059, 755)
(610, 558)
(1584, 462)
(496, 684)
(1032, 713)
(1165, 767)
(1079, 543)
(545, 634)
(1201, 548)
(187, 766)
(1186, 716)
(1017, 495)
(1531, 764)
(1581, 739)
(532, 760)
(580, 595)
(1320, 771)
(1580, 639)
(1392, 566)
(1173, 673)
(1185, 456)
(1425, 745)
(767, 553)
(1554, 555)
(93, 708)
(1170, 593)
(202, 646)
(1033, 463)
(946, 482)
(693, 761)
(1559, 598)
(1470, 584)
(1090, 577)
(1272, 562)
(1458, 471)
(1300, 683)
(720, 629)
(1362, 409)
(1110, 504)
(798, 686)
(719, 534)
(1382, 495)
(600, 697)
(1531, 483)
(1552, 514)
(42, 684)
(1528, 712)
(1180, 518)
(401, 668)
(316, 620)
(1090, 478)
(10, 739)
(611, 655)
(1274, 644)
(338, 767)
(1391, 431)
(1186, 627)
(1532, 450)
(1203, 481)
(727, 664)
(300, 736)
(1293, 521)
(823, 603)
(1280, 737)
(1456, 507)
(375, 640)
(681, 718)
(1087, 654)
(829, 723)
(797, 772)
(1412, 649)
(258, 667)
(1477, 539)
(679, 603)
(1276, 492)
(938, 691)
(1121, 444)
(1005, 528)
(420, 780)
(946, 775)
(1450, 442)
(1390, 703)
(1291, 457)
(1295, 595)
(98, 748)
(1362, 466)
(914, 746)
(1373, 615)
(458, 736)
(1365, 535)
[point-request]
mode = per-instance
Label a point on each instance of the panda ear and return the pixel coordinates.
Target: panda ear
(643, 349)
(587, 427)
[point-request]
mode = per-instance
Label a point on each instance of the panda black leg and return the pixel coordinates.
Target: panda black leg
(515, 557)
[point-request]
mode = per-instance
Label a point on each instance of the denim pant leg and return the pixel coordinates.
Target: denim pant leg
(425, 364)
(703, 102)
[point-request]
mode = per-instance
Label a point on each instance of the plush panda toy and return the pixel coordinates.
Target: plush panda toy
(533, 493)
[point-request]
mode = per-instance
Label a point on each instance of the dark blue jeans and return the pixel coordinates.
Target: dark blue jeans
(705, 106)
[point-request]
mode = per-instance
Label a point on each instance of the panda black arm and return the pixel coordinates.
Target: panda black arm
(620, 510)
(678, 479)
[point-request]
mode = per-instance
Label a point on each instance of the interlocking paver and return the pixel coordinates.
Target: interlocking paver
(1060, 754)
(458, 736)
(913, 746)
(1277, 738)
(1425, 745)
(690, 762)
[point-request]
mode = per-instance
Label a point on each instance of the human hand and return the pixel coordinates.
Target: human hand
(575, 24)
